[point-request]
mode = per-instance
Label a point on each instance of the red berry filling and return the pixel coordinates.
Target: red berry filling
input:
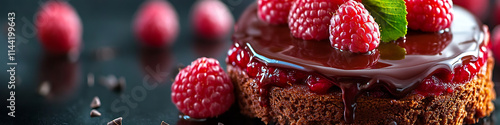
(439, 82)
(445, 81)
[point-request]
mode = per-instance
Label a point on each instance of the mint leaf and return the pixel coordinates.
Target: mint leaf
(391, 51)
(390, 16)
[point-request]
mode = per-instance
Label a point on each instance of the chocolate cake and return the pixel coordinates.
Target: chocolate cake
(423, 78)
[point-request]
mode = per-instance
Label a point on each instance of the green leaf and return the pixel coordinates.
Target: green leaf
(390, 16)
(391, 51)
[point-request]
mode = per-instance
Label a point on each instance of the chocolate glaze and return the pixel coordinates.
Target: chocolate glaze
(355, 73)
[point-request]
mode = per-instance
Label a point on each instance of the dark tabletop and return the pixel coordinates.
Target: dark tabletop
(106, 30)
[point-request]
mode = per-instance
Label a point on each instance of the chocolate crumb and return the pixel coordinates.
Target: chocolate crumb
(44, 88)
(96, 103)
(117, 121)
(90, 79)
(95, 113)
(164, 123)
(112, 83)
(120, 86)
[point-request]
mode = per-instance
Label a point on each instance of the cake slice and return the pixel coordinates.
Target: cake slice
(437, 78)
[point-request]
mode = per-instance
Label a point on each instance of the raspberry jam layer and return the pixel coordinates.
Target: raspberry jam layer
(421, 63)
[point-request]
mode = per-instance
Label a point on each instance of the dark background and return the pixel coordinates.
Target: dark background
(106, 26)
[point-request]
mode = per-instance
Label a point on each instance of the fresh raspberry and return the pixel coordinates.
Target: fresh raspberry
(211, 19)
(58, 27)
(202, 89)
(353, 29)
(477, 7)
(429, 15)
(309, 19)
(274, 11)
(156, 23)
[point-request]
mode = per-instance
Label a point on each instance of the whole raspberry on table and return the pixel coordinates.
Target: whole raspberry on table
(352, 28)
(202, 89)
(211, 19)
(429, 15)
(309, 19)
(58, 27)
(274, 11)
(156, 23)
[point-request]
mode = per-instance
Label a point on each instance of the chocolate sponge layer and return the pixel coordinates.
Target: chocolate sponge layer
(297, 105)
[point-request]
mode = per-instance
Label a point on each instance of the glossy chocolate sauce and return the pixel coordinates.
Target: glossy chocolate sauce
(389, 65)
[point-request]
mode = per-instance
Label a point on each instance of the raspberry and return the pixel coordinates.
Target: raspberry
(477, 7)
(429, 15)
(211, 19)
(156, 23)
(274, 11)
(202, 89)
(59, 28)
(309, 19)
(353, 29)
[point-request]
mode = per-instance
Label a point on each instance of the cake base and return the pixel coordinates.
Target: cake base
(297, 105)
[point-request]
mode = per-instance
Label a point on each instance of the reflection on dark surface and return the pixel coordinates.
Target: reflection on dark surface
(208, 47)
(58, 77)
(230, 117)
(391, 51)
(104, 53)
(157, 64)
(348, 60)
(433, 43)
